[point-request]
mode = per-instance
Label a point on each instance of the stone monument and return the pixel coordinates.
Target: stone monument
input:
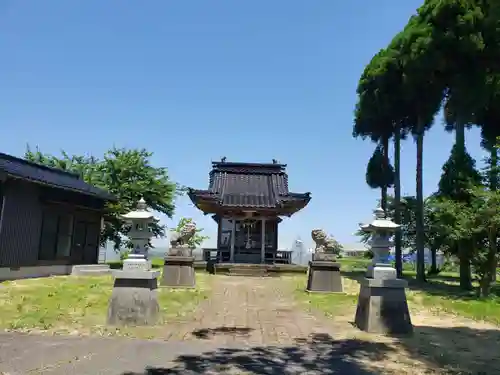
(324, 270)
(134, 300)
(178, 270)
(382, 305)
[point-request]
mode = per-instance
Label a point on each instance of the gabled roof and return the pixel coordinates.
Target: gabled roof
(41, 174)
(250, 185)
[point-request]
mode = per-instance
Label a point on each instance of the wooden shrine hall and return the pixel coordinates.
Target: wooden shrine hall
(247, 201)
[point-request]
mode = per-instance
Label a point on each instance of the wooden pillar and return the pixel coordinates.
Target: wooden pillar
(219, 235)
(263, 242)
(233, 233)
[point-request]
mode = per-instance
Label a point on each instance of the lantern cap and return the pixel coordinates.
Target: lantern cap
(381, 222)
(140, 213)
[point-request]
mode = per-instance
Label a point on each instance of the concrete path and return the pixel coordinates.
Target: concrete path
(248, 326)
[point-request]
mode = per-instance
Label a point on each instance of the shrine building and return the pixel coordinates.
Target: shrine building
(248, 200)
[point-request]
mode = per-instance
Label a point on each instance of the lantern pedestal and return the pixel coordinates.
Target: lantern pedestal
(382, 307)
(134, 301)
(381, 271)
(324, 274)
(178, 272)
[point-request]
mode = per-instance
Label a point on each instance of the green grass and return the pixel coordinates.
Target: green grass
(330, 304)
(487, 310)
(441, 292)
(78, 305)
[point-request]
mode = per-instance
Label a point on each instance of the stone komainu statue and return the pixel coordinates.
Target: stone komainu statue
(179, 241)
(324, 243)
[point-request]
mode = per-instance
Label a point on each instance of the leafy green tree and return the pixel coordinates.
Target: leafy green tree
(459, 176)
(457, 181)
(379, 115)
(474, 225)
(197, 239)
(126, 173)
(380, 173)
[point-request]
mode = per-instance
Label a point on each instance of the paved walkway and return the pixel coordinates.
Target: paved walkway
(250, 311)
(249, 326)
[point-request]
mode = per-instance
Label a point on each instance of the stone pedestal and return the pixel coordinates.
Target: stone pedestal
(324, 274)
(178, 272)
(134, 301)
(382, 307)
(136, 262)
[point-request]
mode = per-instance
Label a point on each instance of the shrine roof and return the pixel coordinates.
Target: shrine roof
(249, 185)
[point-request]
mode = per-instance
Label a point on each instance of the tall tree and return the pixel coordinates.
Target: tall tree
(397, 199)
(458, 178)
(472, 223)
(379, 115)
(380, 173)
(126, 173)
(421, 65)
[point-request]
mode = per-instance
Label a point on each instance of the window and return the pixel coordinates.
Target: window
(64, 236)
(56, 235)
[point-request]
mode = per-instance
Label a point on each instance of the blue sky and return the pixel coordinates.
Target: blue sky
(196, 80)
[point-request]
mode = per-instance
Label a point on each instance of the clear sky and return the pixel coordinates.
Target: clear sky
(196, 80)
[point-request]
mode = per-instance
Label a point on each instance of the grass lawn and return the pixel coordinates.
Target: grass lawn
(442, 343)
(78, 305)
(440, 293)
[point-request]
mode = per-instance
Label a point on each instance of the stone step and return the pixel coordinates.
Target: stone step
(90, 269)
(247, 271)
(93, 272)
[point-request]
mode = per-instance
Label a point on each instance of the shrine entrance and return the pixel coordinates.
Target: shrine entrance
(248, 241)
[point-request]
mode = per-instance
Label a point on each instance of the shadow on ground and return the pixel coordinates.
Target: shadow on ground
(320, 354)
(208, 333)
(456, 350)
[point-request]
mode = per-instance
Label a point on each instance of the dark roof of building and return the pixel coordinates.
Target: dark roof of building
(249, 185)
(57, 178)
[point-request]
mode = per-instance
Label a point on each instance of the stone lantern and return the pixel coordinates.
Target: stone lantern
(134, 300)
(382, 230)
(382, 305)
(140, 235)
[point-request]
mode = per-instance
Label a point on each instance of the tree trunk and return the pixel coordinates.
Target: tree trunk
(420, 234)
(397, 200)
(383, 197)
(493, 175)
(490, 275)
(465, 268)
(493, 184)
(434, 268)
(460, 136)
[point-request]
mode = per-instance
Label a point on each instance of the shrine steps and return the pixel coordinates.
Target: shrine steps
(248, 271)
(256, 270)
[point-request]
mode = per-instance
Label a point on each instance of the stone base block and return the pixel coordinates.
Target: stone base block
(178, 272)
(381, 271)
(134, 301)
(382, 307)
(325, 257)
(324, 276)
